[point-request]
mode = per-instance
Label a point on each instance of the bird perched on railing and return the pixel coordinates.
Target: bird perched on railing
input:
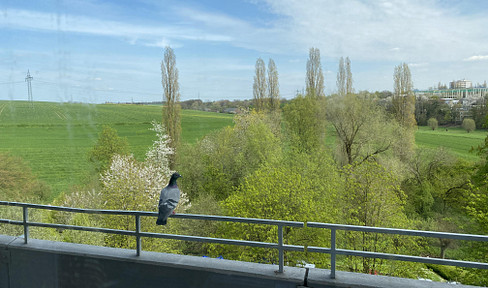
(169, 198)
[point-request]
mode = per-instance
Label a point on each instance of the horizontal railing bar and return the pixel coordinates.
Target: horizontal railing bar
(75, 210)
(155, 214)
(82, 228)
(318, 249)
(418, 259)
(70, 227)
(13, 222)
(396, 231)
(222, 241)
(159, 235)
(388, 256)
(239, 219)
(296, 248)
(210, 240)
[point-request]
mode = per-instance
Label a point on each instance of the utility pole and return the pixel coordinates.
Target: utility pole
(28, 79)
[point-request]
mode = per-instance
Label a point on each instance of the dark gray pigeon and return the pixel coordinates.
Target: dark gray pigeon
(170, 195)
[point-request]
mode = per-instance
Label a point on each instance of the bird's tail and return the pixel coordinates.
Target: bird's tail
(161, 221)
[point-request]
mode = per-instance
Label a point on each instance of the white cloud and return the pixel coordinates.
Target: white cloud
(55, 22)
(477, 58)
(366, 30)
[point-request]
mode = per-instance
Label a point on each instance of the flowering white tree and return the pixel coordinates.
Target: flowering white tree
(159, 153)
(133, 185)
(127, 184)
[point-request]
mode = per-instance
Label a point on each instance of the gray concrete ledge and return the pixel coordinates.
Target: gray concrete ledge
(42, 263)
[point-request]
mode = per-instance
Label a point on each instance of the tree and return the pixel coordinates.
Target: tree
(341, 78)
(17, 182)
(434, 107)
(437, 182)
(220, 161)
(129, 184)
(108, 144)
(301, 188)
(349, 89)
(432, 123)
(479, 112)
(315, 79)
(403, 97)
(373, 198)
(273, 86)
(469, 125)
(362, 127)
(403, 103)
(171, 96)
(260, 86)
(306, 129)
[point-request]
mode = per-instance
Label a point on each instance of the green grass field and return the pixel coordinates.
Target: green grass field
(54, 139)
(456, 140)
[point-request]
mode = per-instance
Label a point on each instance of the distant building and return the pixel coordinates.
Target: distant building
(460, 89)
(461, 93)
(460, 84)
(457, 93)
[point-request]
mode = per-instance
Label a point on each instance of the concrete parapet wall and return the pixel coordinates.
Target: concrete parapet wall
(56, 264)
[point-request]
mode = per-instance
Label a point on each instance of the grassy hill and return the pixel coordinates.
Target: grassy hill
(54, 138)
(456, 140)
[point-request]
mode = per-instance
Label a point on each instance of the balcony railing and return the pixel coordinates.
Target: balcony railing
(333, 250)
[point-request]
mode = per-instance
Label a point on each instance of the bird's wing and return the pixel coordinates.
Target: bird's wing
(165, 209)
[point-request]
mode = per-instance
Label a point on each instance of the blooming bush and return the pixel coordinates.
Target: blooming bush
(129, 184)
(132, 185)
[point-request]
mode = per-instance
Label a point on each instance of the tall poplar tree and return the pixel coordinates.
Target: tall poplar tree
(273, 86)
(403, 97)
(349, 89)
(403, 103)
(315, 78)
(341, 79)
(344, 77)
(260, 86)
(171, 98)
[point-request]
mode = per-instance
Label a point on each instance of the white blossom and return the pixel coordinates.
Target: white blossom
(133, 185)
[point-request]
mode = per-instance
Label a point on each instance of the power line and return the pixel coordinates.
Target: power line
(11, 82)
(97, 89)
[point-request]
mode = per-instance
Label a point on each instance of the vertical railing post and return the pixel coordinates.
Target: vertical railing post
(25, 218)
(332, 253)
(280, 248)
(138, 235)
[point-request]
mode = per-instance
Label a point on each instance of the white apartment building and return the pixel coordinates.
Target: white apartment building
(460, 84)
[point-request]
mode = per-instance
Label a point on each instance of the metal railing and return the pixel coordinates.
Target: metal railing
(333, 251)
(280, 246)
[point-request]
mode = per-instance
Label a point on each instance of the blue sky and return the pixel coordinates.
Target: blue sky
(98, 51)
